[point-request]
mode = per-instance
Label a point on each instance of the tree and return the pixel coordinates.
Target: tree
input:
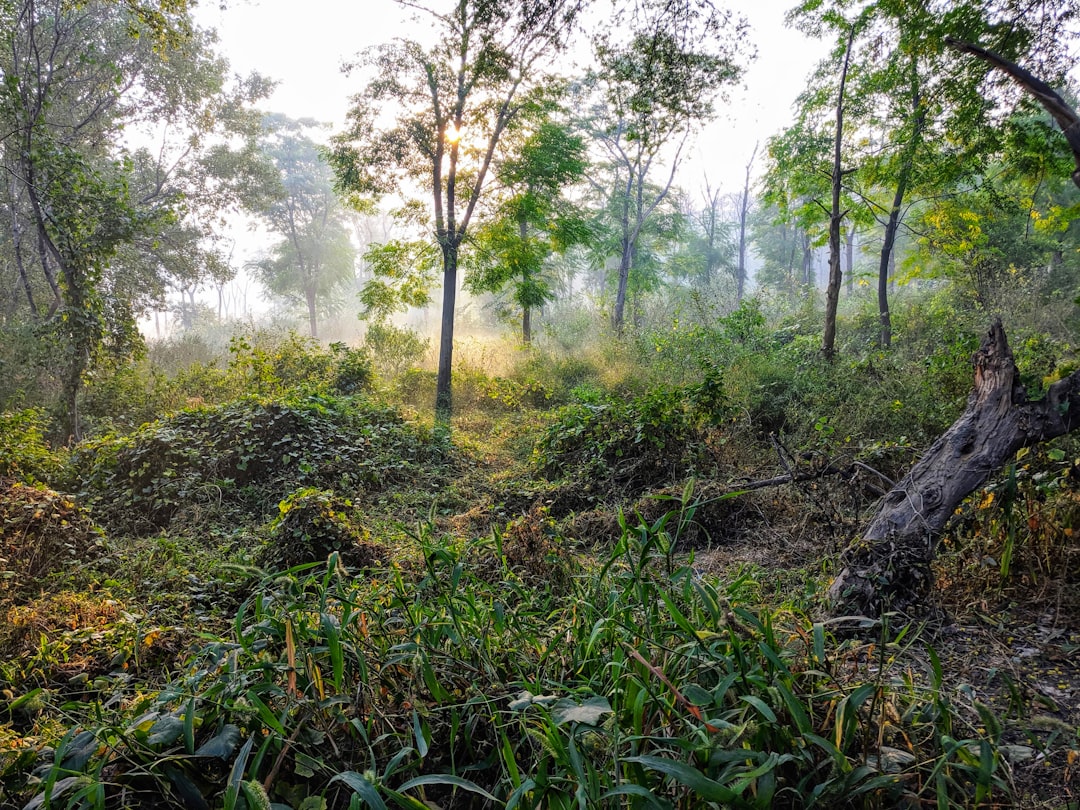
(922, 116)
(779, 242)
(532, 221)
(836, 216)
(74, 76)
(456, 101)
(889, 567)
(315, 261)
(708, 248)
(744, 203)
(651, 91)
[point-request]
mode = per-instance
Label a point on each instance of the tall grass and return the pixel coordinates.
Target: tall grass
(633, 683)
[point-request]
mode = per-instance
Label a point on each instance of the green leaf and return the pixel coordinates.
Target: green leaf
(189, 726)
(22, 700)
(362, 788)
(447, 779)
(333, 642)
(640, 792)
(689, 777)
(795, 709)
(759, 704)
(697, 695)
(418, 733)
(267, 716)
(222, 744)
(569, 711)
(165, 731)
(236, 775)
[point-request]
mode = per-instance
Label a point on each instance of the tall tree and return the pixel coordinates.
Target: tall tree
(708, 249)
(532, 221)
(923, 114)
(652, 89)
(315, 260)
(456, 100)
(75, 75)
(836, 216)
(744, 203)
(889, 566)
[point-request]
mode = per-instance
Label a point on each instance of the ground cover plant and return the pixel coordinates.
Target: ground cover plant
(603, 533)
(365, 613)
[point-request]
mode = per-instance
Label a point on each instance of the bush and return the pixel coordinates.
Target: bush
(395, 349)
(246, 455)
(628, 446)
(311, 525)
(42, 532)
(25, 454)
(260, 363)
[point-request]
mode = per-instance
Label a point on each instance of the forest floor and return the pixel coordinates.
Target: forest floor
(1011, 647)
(1014, 648)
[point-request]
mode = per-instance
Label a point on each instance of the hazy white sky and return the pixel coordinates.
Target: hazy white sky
(303, 45)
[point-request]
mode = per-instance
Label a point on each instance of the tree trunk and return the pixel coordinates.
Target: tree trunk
(832, 292)
(526, 310)
(889, 567)
(807, 264)
(443, 400)
(619, 315)
(744, 214)
(888, 253)
(313, 323)
(849, 245)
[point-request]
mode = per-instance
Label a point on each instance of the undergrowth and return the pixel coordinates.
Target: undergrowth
(646, 685)
(246, 456)
(257, 625)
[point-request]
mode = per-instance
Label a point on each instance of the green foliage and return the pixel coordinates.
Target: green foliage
(533, 222)
(42, 533)
(1019, 530)
(394, 349)
(630, 444)
(311, 524)
(246, 455)
(25, 453)
(647, 684)
(312, 265)
(102, 227)
(188, 373)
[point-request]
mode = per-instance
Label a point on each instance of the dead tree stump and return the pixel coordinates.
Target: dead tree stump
(888, 568)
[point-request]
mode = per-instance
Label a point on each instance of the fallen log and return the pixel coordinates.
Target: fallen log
(888, 568)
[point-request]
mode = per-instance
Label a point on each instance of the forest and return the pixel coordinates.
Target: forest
(523, 466)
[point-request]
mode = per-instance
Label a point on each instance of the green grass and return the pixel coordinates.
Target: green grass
(630, 682)
(310, 599)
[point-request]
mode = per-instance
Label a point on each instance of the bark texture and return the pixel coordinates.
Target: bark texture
(889, 567)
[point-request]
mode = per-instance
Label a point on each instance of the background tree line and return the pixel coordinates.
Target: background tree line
(533, 189)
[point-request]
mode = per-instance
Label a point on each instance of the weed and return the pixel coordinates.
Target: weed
(647, 685)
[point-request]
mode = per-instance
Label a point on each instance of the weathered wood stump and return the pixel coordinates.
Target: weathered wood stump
(889, 567)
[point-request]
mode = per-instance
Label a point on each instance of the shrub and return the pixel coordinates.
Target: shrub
(630, 445)
(25, 454)
(395, 349)
(311, 524)
(246, 455)
(42, 533)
